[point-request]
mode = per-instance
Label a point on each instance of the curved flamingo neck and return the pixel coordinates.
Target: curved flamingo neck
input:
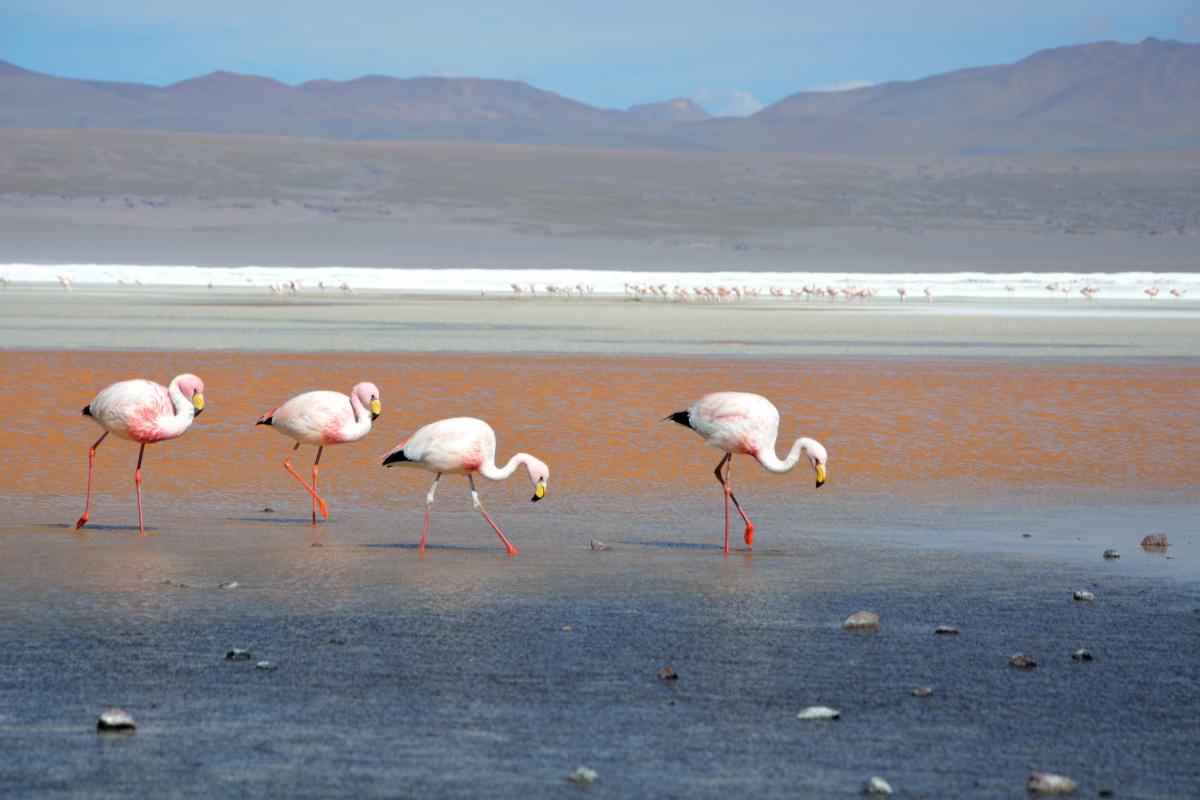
(769, 460)
(362, 416)
(185, 412)
(494, 473)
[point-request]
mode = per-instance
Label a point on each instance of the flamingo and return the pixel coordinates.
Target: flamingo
(145, 412)
(464, 446)
(740, 422)
(1152, 292)
(322, 419)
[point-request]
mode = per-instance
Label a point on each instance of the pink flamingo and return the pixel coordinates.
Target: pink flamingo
(322, 419)
(464, 446)
(740, 422)
(144, 412)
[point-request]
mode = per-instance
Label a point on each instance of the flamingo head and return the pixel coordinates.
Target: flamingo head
(368, 395)
(814, 451)
(539, 474)
(192, 389)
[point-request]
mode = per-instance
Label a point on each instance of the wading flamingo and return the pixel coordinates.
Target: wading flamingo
(144, 412)
(321, 419)
(740, 422)
(464, 446)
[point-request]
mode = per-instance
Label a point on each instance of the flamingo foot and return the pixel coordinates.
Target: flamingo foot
(81, 522)
(324, 509)
(749, 535)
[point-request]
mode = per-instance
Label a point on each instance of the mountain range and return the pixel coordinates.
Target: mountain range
(1096, 97)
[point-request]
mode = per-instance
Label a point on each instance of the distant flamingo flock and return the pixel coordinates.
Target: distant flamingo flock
(736, 423)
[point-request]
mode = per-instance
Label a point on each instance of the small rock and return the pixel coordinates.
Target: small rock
(1022, 661)
(1111, 554)
(599, 546)
(1084, 596)
(267, 510)
(338, 642)
(237, 654)
(1026, 535)
(228, 585)
(1155, 541)
(114, 719)
(1043, 783)
(946, 630)
(584, 776)
(862, 621)
(566, 629)
(668, 673)
(1083, 654)
(1105, 793)
(923, 691)
(818, 713)
(877, 787)
(267, 666)
(316, 544)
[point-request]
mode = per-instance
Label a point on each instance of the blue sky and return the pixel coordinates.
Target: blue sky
(729, 57)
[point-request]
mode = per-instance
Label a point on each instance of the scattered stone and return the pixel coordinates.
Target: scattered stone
(877, 787)
(862, 621)
(566, 629)
(1083, 654)
(819, 713)
(1026, 535)
(114, 719)
(1111, 554)
(1022, 661)
(584, 776)
(1084, 596)
(338, 642)
(946, 630)
(267, 666)
(599, 546)
(1045, 783)
(668, 673)
(923, 691)
(1155, 541)
(316, 544)
(267, 510)
(237, 654)
(229, 585)
(1105, 793)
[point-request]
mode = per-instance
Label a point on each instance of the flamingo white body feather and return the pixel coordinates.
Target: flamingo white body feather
(464, 446)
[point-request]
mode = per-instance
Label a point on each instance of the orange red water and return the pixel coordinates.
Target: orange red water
(933, 429)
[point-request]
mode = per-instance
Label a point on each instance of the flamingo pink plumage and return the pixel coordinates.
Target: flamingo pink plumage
(322, 419)
(145, 412)
(464, 446)
(741, 422)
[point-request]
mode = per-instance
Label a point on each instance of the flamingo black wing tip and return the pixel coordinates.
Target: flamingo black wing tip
(87, 410)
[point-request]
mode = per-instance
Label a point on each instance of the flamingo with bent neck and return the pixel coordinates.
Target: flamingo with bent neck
(740, 422)
(323, 419)
(464, 446)
(145, 412)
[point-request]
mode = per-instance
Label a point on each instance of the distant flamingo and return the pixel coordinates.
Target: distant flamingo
(1178, 293)
(464, 446)
(929, 294)
(1152, 292)
(144, 412)
(321, 419)
(740, 422)
(1010, 288)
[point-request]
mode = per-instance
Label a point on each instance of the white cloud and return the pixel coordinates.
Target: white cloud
(844, 86)
(731, 103)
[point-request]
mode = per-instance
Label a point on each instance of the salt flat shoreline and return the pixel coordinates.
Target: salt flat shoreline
(250, 321)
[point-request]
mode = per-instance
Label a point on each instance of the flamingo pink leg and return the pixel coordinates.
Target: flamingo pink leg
(137, 480)
(725, 489)
(429, 510)
(287, 464)
(512, 551)
(314, 484)
(87, 504)
(748, 536)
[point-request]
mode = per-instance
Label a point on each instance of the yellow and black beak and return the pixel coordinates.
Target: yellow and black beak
(820, 475)
(198, 402)
(376, 409)
(539, 491)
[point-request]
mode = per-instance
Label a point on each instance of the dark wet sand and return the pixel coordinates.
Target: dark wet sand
(448, 674)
